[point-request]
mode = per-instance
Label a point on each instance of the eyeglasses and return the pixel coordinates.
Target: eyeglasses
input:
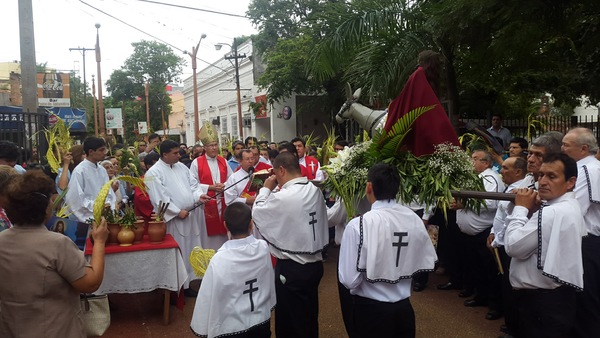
(211, 146)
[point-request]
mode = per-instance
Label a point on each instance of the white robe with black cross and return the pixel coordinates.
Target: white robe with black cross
(382, 250)
(293, 220)
(237, 291)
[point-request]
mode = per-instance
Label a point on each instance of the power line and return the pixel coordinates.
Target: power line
(146, 33)
(195, 9)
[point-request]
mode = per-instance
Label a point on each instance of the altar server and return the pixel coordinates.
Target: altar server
(169, 181)
(294, 221)
(211, 171)
(238, 290)
(546, 268)
(380, 252)
(87, 179)
(580, 145)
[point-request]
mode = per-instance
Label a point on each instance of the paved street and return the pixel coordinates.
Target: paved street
(438, 313)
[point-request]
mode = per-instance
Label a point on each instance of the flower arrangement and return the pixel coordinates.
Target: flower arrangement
(426, 180)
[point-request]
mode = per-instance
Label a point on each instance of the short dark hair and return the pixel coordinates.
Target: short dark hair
(166, 146)
(273, 153)
(287, 160)
(497, 115)
(236, 143)
(151, 158)
(153, 136)
(521, 141)
(28, 197)
(9, 151)
(289, 147)
(520, 163)
(298, 139)
(385, 181)
(250, 138)
(237, 217)
(93, 143)
(569, 164)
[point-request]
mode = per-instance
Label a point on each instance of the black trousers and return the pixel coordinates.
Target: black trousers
(297, 311)
(371, 318)
(508, 302)
(259, 331)
(450, 245)
(588, 301)
(545, 313)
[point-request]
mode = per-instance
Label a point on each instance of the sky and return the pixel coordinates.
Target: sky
(63, 24)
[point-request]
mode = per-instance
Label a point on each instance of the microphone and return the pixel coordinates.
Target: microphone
(250, 172)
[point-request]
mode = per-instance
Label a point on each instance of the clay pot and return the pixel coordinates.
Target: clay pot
(157, 231)
(126, 237)
(138, 231)
(113, 232)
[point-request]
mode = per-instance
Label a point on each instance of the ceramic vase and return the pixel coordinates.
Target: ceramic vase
(113, 232)
(157, 231)
(126, 237)
(138, 230)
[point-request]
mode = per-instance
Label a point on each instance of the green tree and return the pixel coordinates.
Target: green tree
(151, 62)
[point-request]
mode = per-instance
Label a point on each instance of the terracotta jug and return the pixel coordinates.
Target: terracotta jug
(157, 231)
(126, 237)
(113, 232)
(138, 230)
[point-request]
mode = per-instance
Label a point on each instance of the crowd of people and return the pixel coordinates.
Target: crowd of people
(271, 237)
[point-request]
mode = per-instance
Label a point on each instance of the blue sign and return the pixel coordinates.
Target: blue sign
(75, 118)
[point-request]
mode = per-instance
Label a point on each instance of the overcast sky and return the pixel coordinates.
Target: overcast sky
(63, 24)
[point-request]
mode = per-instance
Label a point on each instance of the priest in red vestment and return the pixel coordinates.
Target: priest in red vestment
(433, 127)
(212, 171)
(310, 163)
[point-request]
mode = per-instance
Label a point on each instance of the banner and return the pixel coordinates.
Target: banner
(114, 118)
(53, 89)
(142, 128)
(76, 119)
(262, 113)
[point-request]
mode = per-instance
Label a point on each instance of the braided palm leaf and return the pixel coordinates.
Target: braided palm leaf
(199, 260)
(388, 144)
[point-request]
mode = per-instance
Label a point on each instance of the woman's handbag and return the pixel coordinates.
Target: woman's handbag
(96, 314)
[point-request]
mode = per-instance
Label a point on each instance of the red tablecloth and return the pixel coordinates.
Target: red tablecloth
(167, 243)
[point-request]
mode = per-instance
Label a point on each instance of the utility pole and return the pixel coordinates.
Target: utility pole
(83, 50)
(195, 81)
(95, 108)
(100, 103)
(27, 43)
(147, 92)
(236, 56)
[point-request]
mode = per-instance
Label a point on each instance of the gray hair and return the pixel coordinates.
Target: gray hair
(486, 156)
(551, 141)
(584, 136)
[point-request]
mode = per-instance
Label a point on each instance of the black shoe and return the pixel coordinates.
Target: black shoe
(465, 293)
(448, 286)
(190, 293)
(474, 302)
(493, 315)
(504, 329)
(418, 287)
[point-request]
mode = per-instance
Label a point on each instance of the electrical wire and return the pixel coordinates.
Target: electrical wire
(195, 9)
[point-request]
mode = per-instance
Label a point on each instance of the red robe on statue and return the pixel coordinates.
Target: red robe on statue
(429, 129)
(214, 219)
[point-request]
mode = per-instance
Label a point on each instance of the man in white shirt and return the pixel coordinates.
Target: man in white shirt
(513, 172)
(169, 181)
(580, 145)
(211, 172)
(87, 179)
(497, 130)
(239, 193)
(544, 241)
(238, 290)
(380, 252)
(294, 221)
(480, 267)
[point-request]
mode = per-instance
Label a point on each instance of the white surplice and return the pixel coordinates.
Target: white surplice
(173, 184)
(546, 248)
(587, 192)
(293, 220)
(499, 225)
(472, 223)
(211, 242)
(237, 291)
(234, 191)
(379, 257)
(86, 181)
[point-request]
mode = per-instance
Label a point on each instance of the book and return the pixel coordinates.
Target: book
(257, 180)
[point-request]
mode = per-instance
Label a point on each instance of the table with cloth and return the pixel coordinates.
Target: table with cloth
(143, 267)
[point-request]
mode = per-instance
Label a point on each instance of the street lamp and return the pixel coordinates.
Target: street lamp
(101, 121)
(196, 116)
(235, 56)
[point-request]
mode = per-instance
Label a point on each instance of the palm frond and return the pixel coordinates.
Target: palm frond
(388, 144)
(100, 200)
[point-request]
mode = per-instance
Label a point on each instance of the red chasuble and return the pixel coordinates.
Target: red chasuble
(429, 129)
(214, 219)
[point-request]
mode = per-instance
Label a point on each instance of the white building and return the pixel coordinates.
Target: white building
(217, 101)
